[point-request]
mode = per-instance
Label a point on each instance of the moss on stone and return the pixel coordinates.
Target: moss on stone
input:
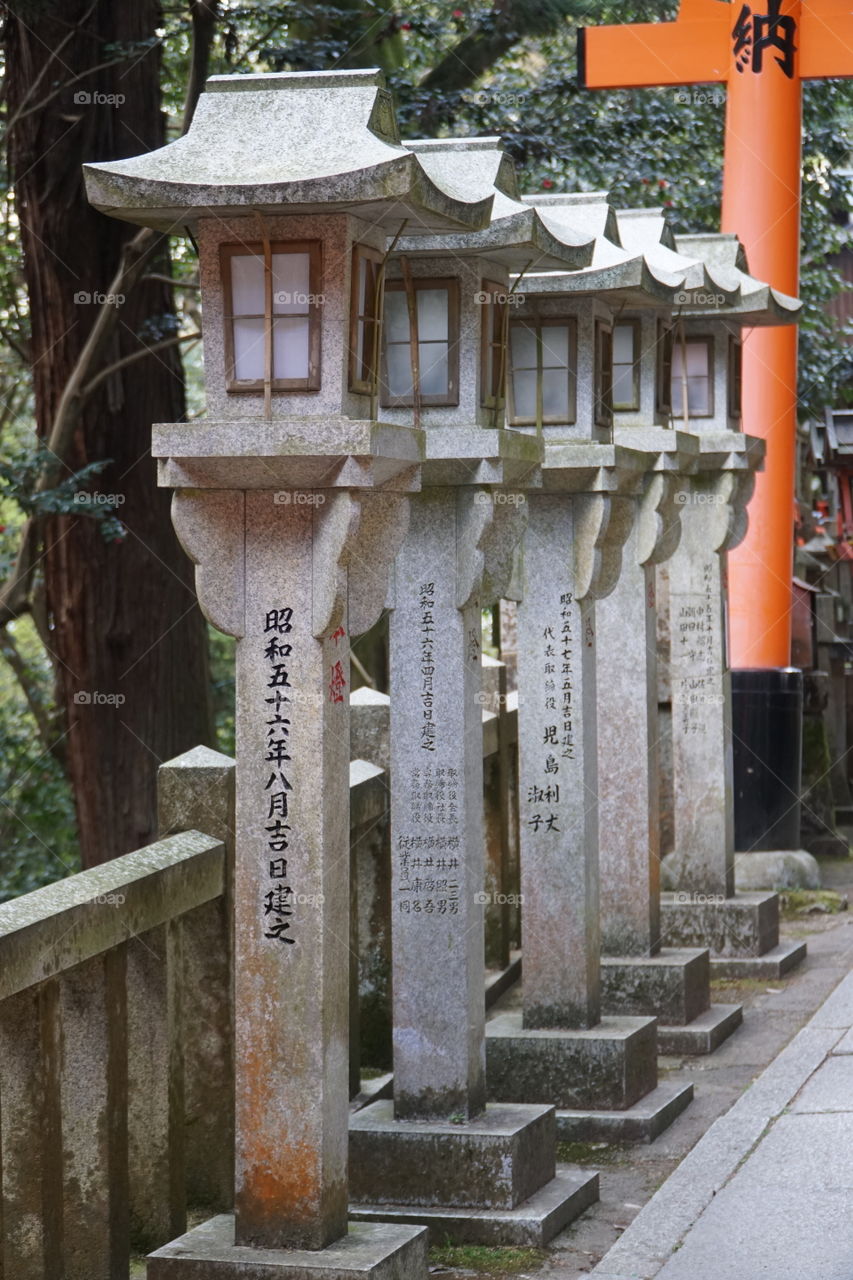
(485, 1259)
(592, 1153)
(796, 903)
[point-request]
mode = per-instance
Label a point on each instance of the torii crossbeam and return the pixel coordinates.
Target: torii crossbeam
(762, 53)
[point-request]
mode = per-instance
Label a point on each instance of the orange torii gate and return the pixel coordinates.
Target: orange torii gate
(762, 52)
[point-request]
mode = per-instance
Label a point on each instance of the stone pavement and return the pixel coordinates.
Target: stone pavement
(630, 1176)
(766, 1191)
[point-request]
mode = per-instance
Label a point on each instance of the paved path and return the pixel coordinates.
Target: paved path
(768, 1191)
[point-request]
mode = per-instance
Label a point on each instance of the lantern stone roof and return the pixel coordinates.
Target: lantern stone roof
(647, 231)
(590, 210)
(758, 303)
(307, 142)
(518, 236)
(614, 269)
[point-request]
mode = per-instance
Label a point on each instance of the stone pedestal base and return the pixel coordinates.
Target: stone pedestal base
(773, 964)
(533, 1223)
(369, 1251)
(493, 1162)
(487, 1181)
(643, 1122)
(745, 925)
(704, 1034)
(674, 986)
(742, 933)
(609, 1067)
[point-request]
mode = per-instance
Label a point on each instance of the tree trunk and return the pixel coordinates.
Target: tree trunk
(127, 640)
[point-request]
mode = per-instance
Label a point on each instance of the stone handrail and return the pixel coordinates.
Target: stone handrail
(47, 932)
(91, 1062)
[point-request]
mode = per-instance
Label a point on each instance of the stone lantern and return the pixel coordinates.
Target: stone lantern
(432, 1155)
(597, 1064)
(642, 971)
(697, 356)
(742, 928)
(292, 500)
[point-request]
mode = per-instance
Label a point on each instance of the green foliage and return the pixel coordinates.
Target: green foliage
(487, 1260)
(38, 841)
(222, 687)
(72, 496)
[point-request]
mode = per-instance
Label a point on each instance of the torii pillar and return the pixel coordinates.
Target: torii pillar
(762, 52)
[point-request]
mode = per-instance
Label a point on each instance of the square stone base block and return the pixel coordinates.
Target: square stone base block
(704, 1034)
(774, 963)
(494, 1162)
(643, 1122)
(609, 1067)
(745, 925)
(673, 986)
(532, 1223)
(369, 1251)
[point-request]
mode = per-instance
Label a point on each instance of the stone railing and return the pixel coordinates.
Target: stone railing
(111, 1033)
(116, 1047)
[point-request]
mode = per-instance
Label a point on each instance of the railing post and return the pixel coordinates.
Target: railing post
(155, 1087)
(92, 1079)
(196, 791)
(22, 1224)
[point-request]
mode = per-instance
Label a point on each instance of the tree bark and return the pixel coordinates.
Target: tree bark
(498, 31)
(128, 642)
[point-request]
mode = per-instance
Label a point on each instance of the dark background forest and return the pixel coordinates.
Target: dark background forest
(107, 667)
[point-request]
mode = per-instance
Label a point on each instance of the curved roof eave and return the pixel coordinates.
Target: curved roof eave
(308, 141)
(633, 276)
(391, 191)
(519, 241)
(758, 308)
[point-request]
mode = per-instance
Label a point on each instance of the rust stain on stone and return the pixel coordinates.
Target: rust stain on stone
(282, 1180)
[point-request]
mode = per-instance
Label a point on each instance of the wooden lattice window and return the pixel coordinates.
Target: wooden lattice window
(543, 371)
(420, 342)
(364, 318)
(272, 315)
